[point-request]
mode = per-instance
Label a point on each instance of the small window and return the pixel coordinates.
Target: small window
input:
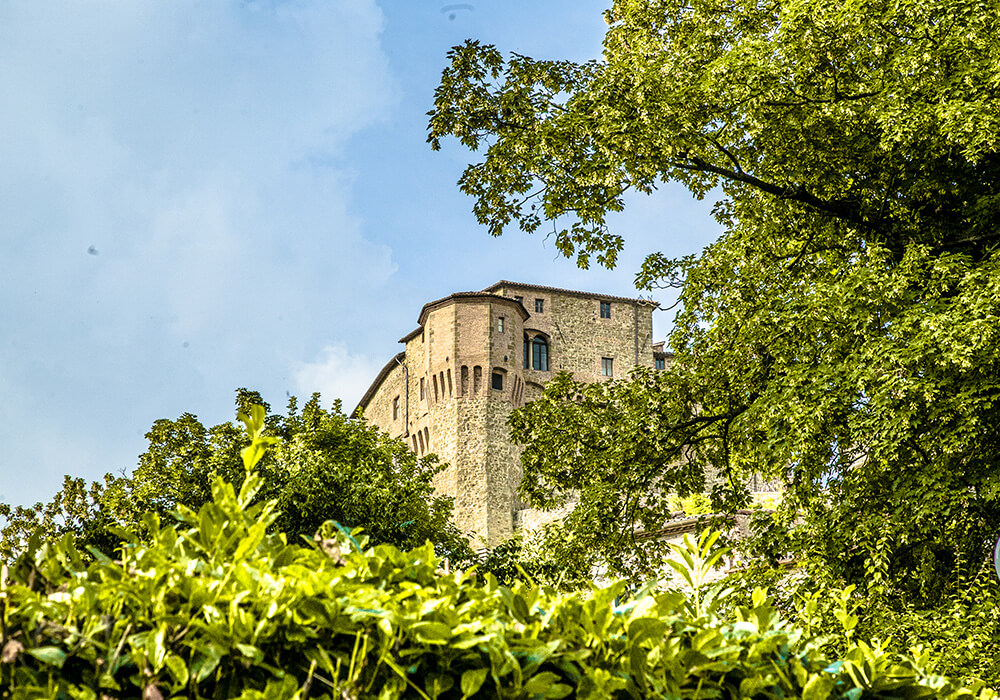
(500, 324)
(605, 309)
(519, 300)
(607, 366)
(497, 381)
(661, 363)
(539, 305)
(395, 408)
(527, 351)
(423, 392)
(477, 379)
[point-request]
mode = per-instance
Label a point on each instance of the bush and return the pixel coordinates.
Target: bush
(214, 606)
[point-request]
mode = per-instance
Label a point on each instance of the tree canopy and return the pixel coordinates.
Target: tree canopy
(841, 335)
(324, 466)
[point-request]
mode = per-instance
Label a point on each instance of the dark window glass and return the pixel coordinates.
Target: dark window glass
(497, 380)
(661, 364)
(395, 408)
(607, 366)
(539, 305)
(540, 354)
(605, 309)
(519, 300)
(527, 351)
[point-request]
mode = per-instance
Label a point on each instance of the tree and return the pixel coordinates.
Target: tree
(325, 466)
(842, 334)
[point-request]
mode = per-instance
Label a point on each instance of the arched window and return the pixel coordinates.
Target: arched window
(465, 380)
(477, 380)
(450, 394)
(434, 381)
(539, 354)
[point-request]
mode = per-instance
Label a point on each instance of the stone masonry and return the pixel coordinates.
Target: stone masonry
(473, 358)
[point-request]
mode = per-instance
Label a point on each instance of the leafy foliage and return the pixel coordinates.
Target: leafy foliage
(604, 445)
(842, 337)
(215, 606)
(961, 632)
(324, 467)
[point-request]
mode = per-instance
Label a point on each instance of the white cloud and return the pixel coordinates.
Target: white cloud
(195, 147)
(336, 374)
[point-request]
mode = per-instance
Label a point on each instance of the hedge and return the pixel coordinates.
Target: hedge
(218, 607)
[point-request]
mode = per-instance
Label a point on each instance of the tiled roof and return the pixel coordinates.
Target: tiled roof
(573, 292)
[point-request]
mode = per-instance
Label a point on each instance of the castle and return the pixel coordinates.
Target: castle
(473, 358)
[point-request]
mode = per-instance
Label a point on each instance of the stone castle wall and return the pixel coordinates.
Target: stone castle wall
(466, 373)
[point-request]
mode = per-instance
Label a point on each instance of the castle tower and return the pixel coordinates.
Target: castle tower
(474, 357)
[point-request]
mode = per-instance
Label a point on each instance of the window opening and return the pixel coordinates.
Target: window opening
(661, 363)
(527, 351)
(519, 300)
(607, 366)
(497, 381)
(477, 379)
(540, 354)
(605, 309)
(427, 439)
(434, 381)
(450, 393)
(423, 393)
(500, 324)
(465, 380)
(539, 305)
(420, 435)
(395, 408)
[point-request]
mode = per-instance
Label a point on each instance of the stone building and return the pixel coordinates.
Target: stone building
(473, 358)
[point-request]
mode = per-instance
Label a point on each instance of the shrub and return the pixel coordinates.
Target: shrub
(215, 606)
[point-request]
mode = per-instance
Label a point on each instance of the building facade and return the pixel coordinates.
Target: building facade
(473, 358)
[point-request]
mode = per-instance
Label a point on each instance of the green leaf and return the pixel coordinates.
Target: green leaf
(818, 687)
(54, 656)
(472, 681)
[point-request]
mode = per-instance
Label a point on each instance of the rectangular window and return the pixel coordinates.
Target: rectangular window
(540, 354)
(661, 363)
(497, 381)
(605, 309)
(607, 366)
(395, 408)
(500, 324)
(422, 390)
(539, 305)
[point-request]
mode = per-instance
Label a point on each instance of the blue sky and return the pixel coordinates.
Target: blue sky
(198, 196)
